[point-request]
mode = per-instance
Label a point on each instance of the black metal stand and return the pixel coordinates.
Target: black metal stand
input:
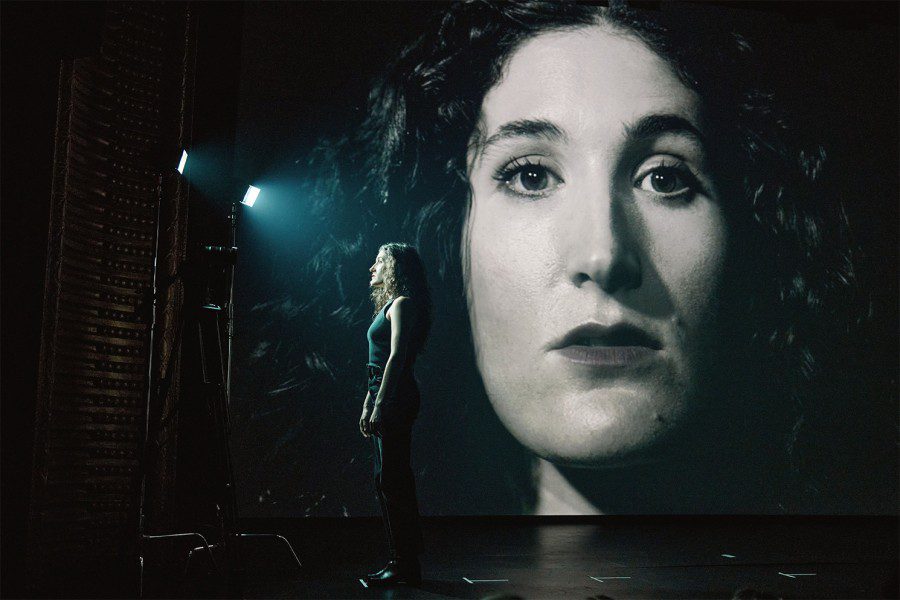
(152, 382)
(216, 386)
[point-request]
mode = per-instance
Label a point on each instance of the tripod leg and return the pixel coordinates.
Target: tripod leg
(206, 546)
(277, 537)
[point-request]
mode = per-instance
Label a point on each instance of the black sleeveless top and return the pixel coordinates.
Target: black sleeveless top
(379, 336)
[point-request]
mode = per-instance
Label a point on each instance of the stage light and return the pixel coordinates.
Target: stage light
(250, 196)
(182, 162)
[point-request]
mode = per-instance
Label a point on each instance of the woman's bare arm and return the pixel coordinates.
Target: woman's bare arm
(366, 413)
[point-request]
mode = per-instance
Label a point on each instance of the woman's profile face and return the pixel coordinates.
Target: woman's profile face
(377, 270)
(597, 246)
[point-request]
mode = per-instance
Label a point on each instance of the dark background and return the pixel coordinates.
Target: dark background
(275, 78)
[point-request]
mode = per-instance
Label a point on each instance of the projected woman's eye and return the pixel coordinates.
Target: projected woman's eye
(668, 181)
(528, 177)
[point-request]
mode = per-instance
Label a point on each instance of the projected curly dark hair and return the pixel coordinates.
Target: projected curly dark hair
(793, 285)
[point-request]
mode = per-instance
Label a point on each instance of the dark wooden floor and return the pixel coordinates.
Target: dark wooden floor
(605, 557)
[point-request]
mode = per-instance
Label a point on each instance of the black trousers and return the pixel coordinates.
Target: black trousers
(395, 487)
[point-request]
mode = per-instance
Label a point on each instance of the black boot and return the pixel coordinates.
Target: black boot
(392, 564)
(401, 572)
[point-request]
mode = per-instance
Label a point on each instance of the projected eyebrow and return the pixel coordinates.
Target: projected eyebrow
(652, 126)
(532, 128)
(647, 127)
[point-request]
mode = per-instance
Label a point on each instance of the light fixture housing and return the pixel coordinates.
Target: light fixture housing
(250, 196)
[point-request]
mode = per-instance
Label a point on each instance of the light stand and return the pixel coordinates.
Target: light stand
(216, 378)
(227, 511)
(152, 386)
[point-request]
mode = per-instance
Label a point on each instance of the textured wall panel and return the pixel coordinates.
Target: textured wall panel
(111, 147)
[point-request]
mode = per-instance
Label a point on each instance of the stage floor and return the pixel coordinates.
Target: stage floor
(602, 557)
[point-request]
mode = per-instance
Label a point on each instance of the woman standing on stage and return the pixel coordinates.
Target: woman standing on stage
(399, 291)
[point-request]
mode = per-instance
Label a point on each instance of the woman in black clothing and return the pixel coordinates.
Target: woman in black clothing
(397, 334)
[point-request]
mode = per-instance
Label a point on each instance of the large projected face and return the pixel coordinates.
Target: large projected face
(597, 245)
